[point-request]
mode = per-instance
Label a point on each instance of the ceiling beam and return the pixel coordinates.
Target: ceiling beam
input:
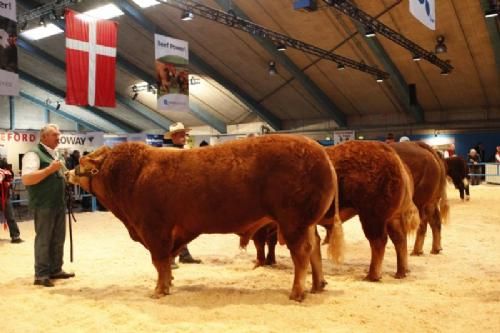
(319, 96)
(492, 26)
(133, 12)
(59, 93)
(398, 82)
(59, 112)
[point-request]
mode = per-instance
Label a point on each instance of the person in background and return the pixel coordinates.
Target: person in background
(204, 144)
(177, 133)
(43, 176)
(6, 178)
(473, 159)
(497, 155)
(390, 138)
(450, 152)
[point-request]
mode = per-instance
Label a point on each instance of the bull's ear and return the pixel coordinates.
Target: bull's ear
(98, 155)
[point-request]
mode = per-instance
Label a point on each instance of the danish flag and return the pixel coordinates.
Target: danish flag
(90, 60)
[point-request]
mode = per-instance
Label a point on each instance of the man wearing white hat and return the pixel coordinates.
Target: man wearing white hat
(177, 133)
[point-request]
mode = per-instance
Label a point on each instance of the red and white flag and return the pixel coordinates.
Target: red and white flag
(90, 60)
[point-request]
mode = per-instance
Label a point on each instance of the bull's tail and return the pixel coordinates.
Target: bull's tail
(336, 244)
(444, 205)
(410, 218)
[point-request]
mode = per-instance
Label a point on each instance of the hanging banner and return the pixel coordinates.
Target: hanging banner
(90, 60)
(172, 58)
(89, 141)
(424, 11)
(9, 79)
(342, 136)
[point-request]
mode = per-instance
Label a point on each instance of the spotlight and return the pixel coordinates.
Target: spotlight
(281, 47)
(440, 46)
(340, 67)
(187, 15)
(58, 106)
(445, 72)
(416, 57)
(493, 10)
(42, 22)
(491, 13)
(380, 79)
(134, 88)
(135, 96)
(369, 32)
(272, 68)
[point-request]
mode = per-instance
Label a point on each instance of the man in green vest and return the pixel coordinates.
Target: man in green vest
(43, 176)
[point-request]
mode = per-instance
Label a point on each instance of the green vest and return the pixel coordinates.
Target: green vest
(48, 193)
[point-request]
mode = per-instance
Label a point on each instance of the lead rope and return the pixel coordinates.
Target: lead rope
(71, 218)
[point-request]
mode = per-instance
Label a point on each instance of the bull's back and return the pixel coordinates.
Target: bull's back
(221, 188)
(427, 170)
(371, 177)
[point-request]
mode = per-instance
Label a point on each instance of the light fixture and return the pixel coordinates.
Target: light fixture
(440, 45)
(58, 105)
(369, 32)
(444, 72)
(135, 96)
(416, 57)
(272, 68)
(281, 47)
(493, 10)
(187, 15)
(340, 67)
(42, 22)
(134, 88)
(380, 79)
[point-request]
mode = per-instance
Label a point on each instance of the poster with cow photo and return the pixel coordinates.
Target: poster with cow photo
(172, 58)
(9, 79)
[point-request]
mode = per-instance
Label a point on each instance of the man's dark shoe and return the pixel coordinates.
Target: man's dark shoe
(62, 275)
(16, 240)
(43, 282)
(189, 260)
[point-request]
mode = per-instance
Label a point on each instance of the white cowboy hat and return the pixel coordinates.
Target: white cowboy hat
(174, 128)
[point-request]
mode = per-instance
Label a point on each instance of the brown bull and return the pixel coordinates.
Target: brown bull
(375, 184)
(429, 176)
(237, 185)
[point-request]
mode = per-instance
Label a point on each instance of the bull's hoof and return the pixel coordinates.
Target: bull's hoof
(467, 198)
(270, 262)
(437, 251)
(318, 288)
(371, 278)
(299, 297)
(400, 275)
(258, 264)
(159, 294)
(417, 253)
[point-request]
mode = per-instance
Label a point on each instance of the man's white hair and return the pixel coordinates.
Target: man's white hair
(47, 128)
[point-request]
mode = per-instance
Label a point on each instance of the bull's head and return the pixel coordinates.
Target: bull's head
(89, 166)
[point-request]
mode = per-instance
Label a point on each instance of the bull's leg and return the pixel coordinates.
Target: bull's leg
(259, 240)
(272, 240)
(377, 246)
(398, 238)
(319, 281)
(300, 244)
(461, 189)
(466, 187)
(418, 248)
(164, 270)
(435, 223)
